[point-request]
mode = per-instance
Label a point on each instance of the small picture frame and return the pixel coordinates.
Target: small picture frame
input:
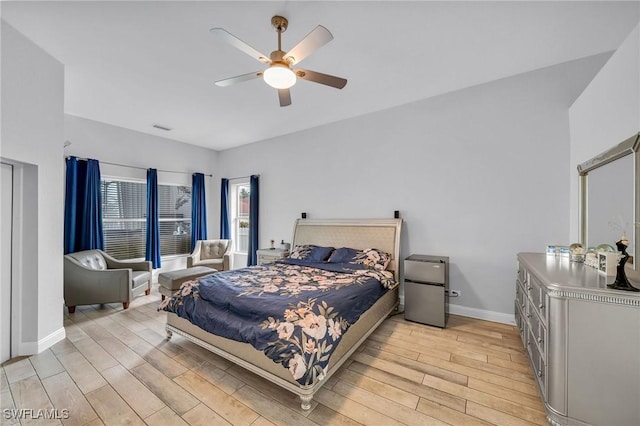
(607, 263)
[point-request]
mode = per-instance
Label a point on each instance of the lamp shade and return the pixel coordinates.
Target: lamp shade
(279, 76)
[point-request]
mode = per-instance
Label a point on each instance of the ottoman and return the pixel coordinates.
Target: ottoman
(171, 281)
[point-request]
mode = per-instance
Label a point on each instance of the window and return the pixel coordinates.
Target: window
(124, 212)
(174, 205)
(124, 218)
(240, 217)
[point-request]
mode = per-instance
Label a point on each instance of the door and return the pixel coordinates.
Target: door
(6, 219)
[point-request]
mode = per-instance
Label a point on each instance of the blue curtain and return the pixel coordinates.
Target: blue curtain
(71, 206)
(254, 203)
(225, 228)
(198, 209)
(153, 223)
(82, 206)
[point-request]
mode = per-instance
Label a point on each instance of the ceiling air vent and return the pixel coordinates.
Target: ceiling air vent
(166, 129)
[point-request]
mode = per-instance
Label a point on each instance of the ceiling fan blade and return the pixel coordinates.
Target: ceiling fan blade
(238, 79)
(285, 97)
(317, 38)
(239, 44)
(318, 77)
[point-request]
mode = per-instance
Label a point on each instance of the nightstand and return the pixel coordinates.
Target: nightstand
(271, 255)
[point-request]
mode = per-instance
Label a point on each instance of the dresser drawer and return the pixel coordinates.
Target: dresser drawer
(521, 323)
(522, 274)
(538, 331)
(538, 296)
(538, 365)
(521, 297)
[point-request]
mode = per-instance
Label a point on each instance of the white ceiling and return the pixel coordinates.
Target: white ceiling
(135, 64)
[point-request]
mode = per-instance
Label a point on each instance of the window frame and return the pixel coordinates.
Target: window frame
(234, 190)
(143, 220)
(176, 220)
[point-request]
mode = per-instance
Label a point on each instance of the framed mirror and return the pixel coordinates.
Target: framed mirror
(609, 200)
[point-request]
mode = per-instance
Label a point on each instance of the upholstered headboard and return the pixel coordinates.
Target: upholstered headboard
(382, 234)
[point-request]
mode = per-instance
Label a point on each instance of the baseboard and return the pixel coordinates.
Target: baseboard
(477, 313)
(482, 314)
(32, 348)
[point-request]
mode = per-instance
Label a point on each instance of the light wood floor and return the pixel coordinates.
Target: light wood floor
(116, 367)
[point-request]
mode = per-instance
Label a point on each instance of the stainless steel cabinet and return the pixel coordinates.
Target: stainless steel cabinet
(426, 282)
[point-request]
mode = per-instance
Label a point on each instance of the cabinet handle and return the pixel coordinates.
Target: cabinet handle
(539, 339)
(528, 315)
(539, 373)
(529, 288)
(541, 306)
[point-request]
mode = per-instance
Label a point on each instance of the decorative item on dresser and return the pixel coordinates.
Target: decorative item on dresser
(582, 339)
(271, 255)
(621, 282)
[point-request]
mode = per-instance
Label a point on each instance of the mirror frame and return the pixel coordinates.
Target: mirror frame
(630, 146)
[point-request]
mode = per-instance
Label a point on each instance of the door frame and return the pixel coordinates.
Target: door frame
(11, 337)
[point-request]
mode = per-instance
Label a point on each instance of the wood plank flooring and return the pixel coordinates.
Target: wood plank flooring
(115, 367)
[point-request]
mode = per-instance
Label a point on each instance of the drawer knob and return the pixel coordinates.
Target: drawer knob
(528, 315)
(539, 339)
(529, 288)
(539, 373)
(541, 306)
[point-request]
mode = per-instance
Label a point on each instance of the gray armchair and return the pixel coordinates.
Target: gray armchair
(92, 276)
(211, 253)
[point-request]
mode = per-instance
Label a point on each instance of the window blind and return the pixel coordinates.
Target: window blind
(124, 214)
(124, 218)
(174, 204)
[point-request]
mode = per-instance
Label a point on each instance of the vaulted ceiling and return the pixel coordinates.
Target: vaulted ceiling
(135, 64)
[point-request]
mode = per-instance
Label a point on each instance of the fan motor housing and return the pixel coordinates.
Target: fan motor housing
(278, 56)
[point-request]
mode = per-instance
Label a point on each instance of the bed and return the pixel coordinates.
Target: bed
(298, 358)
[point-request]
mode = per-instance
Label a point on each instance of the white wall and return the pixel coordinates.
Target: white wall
(605, 114)
(477, 175)
(32, 137)
(112, 144)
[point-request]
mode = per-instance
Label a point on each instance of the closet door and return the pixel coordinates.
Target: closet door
(6, 219)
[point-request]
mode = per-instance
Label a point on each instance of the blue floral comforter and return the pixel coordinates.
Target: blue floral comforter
(294, 311)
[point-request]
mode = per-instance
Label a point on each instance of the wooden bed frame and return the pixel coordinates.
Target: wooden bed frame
(383, 234)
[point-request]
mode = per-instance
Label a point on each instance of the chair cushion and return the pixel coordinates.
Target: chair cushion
(91, 259)
(139, 277)
(213, 249)
(217, 264)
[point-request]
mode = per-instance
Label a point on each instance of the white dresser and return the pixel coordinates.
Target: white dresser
(583, 341)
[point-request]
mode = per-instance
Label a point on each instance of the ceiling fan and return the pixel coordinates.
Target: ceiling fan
(280, 74)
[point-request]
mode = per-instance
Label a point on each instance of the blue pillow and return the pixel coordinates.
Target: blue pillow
(320, 254)
(344, 255)
(311, 253)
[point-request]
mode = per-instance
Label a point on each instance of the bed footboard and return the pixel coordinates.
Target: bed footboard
(381, 310)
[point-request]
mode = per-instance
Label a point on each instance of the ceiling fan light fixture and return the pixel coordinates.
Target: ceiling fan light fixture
(279, 76)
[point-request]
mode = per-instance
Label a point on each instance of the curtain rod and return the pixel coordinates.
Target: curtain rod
(133, 167)
(241, 177)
